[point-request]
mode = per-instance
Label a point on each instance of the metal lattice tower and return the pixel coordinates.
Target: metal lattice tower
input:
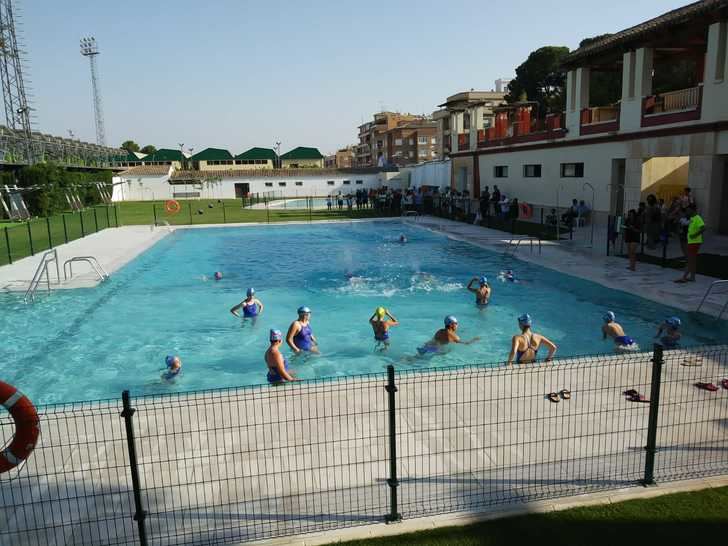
(90, 49)
(17, 111)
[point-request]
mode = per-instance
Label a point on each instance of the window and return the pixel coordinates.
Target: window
(398, 142)
(411, 154)
(532, 171)
(359, 182)
(380, 143)
(299, 183)
(424, 153)
(347, 182)
(411, 141)
(330, 182)
(269, 184)
(572, 170)
(422, 140)
(500, 171)
(433, 153)
(433, 140)
(282, 184)
(466, 121)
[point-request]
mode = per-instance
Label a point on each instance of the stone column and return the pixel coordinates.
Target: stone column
(636, 84)
(577, 97)
(706, 179)
(632, 183)
(715, 81)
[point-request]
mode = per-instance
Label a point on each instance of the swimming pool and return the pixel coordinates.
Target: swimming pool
(300, 203)
(93, 343)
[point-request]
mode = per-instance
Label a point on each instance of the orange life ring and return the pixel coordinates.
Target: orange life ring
(526, 210)
(27, 427)
(172, 206)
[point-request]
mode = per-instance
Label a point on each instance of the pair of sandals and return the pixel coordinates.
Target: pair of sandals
(710, 386)
(634, 396)
(554, 396)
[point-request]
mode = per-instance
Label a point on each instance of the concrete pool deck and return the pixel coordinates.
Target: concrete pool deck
(115, 247)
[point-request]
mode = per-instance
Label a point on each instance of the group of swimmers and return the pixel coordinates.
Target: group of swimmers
(524, 346)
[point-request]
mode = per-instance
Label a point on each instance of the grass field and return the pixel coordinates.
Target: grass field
(678, 519)
(45, 233)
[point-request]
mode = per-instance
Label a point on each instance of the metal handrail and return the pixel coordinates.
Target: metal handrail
(91, 260)
(707, 293)
(48, 257)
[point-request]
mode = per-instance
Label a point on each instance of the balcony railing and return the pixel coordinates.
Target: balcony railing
(540, 129)
(672, 107)
(599, 119)
(463, 142)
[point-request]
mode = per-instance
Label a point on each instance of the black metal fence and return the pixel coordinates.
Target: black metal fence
(21, 239)
(244, 464)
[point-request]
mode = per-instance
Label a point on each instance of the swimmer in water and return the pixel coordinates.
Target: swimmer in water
(381, 326)
(251, 306)
(300, 338)
(482, 293)
(507, 276)
(174, 367)
(218, 276)
(669, 332)
(614, 330)
(276, 362)
(402, 238)
(444, 336)
(524, 347)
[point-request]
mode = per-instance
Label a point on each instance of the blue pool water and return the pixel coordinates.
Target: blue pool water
(93, 343)
(315, 202)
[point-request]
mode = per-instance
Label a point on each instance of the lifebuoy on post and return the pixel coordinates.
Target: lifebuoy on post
(526, 210)
(27, 427)
(172, 206)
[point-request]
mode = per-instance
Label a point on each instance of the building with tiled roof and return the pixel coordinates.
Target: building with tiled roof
(211, 159)
(302, 157)
(256, 158)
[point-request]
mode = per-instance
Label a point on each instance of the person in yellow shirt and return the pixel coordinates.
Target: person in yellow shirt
(696, 227)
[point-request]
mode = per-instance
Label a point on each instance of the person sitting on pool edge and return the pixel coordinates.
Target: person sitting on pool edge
(300, 337)
(524, 346)
(444, 336)
(251, 306)
(381, 326)
(482, 293)
(276, 362)
(613, 329)
(174, 367)
(669, 332)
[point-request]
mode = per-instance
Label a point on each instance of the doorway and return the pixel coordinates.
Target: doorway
(242, 189)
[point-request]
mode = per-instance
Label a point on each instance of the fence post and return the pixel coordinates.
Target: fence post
(108, 220)
(224, 218)
(267, 211)
(139, 514)
(189, 206)
(609, 231)
(154, 212)
(657, 362)
(65, 229)
(96, 221)
(392, 481)
(7, 243)
(30, 239)
(48, 225)
(116, 215)
(83, 230)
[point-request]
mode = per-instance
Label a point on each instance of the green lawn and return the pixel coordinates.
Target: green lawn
(678, 519)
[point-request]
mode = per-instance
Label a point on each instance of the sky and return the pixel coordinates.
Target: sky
(236, 73)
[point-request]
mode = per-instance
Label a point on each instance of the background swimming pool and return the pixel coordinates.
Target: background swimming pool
(296, 203)
(93, 343)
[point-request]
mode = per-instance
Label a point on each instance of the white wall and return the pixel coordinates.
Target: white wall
(432, 173)
(141, 188)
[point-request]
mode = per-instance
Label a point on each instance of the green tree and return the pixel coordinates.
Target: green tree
(605, 85)
(130, 146)
(541, 78)
(148, 149)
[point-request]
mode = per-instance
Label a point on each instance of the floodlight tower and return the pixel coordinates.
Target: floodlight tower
(17, 111)
(90, 49)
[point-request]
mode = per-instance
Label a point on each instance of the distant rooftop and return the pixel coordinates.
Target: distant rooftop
(473, 97)
(212, 154)
(164, 154)
(257, 153)
(303, 152)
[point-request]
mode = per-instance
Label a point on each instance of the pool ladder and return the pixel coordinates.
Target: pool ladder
(707, 293)
(42, 270)
(91, 260)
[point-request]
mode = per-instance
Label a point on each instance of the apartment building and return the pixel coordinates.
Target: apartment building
(411, 142)
(372, 148)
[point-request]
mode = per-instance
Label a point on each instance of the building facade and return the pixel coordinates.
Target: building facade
(372, 150)
(411, 142)
(302, 158)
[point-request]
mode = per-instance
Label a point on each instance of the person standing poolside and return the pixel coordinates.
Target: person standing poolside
(696, 227)
(300, 337)
(669, 332)
(444, 336)
(381, 326)
(328, 202)
(632, 233)
(482, 293)
(525, 346)
(614, 330)
(276, 362)
(251, 306)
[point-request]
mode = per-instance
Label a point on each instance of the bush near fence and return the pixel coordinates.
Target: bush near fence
(242, 464)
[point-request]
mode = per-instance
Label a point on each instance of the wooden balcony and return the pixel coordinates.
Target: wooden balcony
(672, 107)
(547, 129)
(599, 119)
(463, 142)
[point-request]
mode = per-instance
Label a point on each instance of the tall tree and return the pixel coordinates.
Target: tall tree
(541, 78)
(148, 149)
(605, 85)
(130, 146)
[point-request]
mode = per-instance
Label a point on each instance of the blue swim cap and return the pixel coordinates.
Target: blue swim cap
(169, 361)
(524, 320)
(609, 317)
(275, 335)
(675, 322)
(303, 309)
(250, 291)
(450, 320)
(483, 280)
